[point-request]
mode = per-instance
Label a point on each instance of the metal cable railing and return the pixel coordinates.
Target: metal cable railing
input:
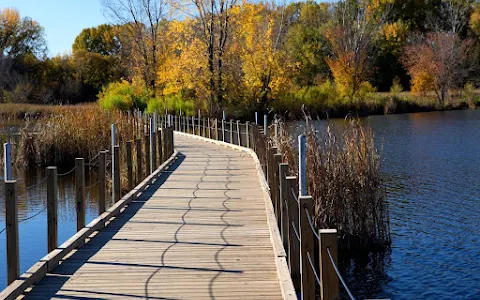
(66, 173)
(294, 194)
(339, 275)
(28, 218)
(311, 224)
(36, 184)
(313, 268)
(92, 161)
(295, 231)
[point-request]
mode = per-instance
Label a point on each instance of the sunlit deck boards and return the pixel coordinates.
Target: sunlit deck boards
(199, 232)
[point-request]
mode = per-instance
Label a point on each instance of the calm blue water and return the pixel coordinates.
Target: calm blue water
(431, 169)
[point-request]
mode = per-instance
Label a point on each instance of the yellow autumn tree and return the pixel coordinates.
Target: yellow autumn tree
(257, 30)
(182, 72)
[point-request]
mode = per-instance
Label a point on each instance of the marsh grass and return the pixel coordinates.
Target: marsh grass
(70, 132)
(82, 131)
(343, 177)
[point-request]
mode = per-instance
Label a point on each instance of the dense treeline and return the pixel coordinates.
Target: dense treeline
(244, 56)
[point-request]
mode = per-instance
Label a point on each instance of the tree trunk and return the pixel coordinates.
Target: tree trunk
(220, 80)
(154, 62)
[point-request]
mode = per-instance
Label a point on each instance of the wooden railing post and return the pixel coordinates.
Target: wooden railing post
(161, 137)
(113, 143)
(152, 146)
(247, 135)
(306, 246)
(11, 225)
(172, 142)
(154, 150)
(265, 124)
(209, 129)
(52, 225)
(7, 161)
(204, 129)
(231, 131)
(277, 159)
(302, 165)
(80, 191)
(329, 287)
(129, 165)
(101, 182)
(271, 170)
(223, 130)
(193, 125)
(216, 129)
(147, 154)
(165, 144)
(199, 123)
(116, 178)
(284, 219)
(293, 242)
(138, 148)
(239, 135)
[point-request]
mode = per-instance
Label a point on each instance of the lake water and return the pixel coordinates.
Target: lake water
(431, 169)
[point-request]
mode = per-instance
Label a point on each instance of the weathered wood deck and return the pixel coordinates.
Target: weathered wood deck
(199, 232)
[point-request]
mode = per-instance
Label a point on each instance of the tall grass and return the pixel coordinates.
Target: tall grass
(70, 132)
(13, 111)
(343, 177)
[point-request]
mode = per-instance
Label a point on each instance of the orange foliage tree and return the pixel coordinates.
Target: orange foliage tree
(352, 38)
(438, 61)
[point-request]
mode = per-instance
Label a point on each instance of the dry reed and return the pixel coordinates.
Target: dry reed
(343, 177)
(70, 132)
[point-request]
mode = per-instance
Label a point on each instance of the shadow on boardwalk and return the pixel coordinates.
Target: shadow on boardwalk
(53, 282)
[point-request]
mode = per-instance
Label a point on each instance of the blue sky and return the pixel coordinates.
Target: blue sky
(63, 20)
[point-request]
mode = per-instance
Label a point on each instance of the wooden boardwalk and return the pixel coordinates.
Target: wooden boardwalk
(199, 232)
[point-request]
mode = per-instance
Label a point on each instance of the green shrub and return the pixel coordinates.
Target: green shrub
(123, 96)
(314, 97)
(177, 103)
(155, 104)
(396, 87)
(330, 92)
(174, 103)
(469, 95)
